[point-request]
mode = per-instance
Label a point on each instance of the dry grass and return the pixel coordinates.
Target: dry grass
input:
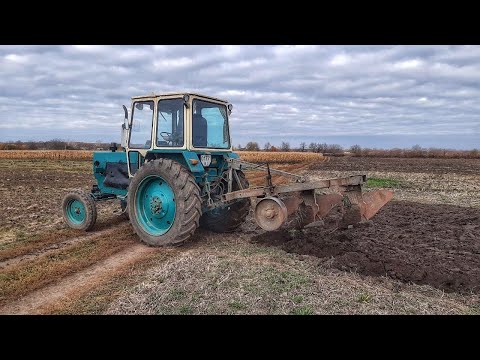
(97, 300)
(234, 276)
(47, 154)
(257, 178)
(281, 157)
(22, 278)
(34, 243)
(252, 156)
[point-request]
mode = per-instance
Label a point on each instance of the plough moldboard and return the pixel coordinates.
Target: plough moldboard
(301, 203)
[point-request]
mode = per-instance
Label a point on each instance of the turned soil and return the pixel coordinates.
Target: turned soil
(436, 245)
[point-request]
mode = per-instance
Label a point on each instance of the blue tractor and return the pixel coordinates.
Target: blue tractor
(176, 171)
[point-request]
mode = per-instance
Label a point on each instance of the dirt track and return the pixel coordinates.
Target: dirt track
(80, 282)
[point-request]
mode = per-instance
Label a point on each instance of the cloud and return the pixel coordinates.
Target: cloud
(339, 60)
(280, 93)
(408, 64)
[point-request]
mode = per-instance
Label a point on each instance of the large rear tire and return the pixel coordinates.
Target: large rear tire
(229, 218)
(164, 203)
(79, 210)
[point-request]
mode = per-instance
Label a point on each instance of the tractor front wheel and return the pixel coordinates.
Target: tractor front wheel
(164, 203)
(79, 210)
(229, 218)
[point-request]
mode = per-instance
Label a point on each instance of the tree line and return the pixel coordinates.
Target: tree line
(327, 149)
(415, 151)
(285, 147)
(54, 144)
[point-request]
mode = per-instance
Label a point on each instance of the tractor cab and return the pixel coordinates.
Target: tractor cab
(175, 123)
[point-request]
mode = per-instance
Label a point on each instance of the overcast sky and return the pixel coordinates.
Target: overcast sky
(378, 96)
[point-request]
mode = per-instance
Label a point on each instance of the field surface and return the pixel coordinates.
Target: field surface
(419, 255)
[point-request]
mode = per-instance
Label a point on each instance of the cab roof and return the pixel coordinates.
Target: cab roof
(179, 94)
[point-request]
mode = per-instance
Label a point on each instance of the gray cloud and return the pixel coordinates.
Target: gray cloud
(376, 95)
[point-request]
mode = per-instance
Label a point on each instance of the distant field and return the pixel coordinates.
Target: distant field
(281, 157)
(46, 154)
(251, 156)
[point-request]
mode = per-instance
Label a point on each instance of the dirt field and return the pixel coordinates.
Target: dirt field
(420, 254)
(437, 245)
(406, 165)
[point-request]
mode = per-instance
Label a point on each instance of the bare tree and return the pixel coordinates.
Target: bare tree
(333, 148)
(303, 146)
(32, 145)
(55, 144)
(252, 146)
(356, 150)
(323, 148)
(267, 146)
(285, 146)
(416, 151)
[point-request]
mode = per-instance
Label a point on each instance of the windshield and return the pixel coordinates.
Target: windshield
(141, 130)
(210, 125)
(170, 122)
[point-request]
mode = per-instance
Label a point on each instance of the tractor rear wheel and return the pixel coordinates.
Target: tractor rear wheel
(229, 218)
(164, 203)
(79, 210)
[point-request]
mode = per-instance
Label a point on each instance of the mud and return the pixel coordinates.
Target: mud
(437, 245)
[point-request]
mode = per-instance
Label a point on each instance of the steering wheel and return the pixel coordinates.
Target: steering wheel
(167, 136)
